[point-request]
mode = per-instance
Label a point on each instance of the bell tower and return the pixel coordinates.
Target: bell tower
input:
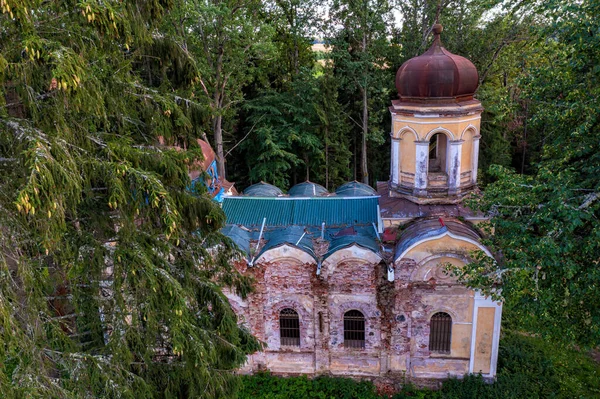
(435, 127)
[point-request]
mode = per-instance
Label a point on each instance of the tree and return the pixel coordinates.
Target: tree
(358, 34)
(111, 268)
(227, 39)
(296, 23)
(546, 223)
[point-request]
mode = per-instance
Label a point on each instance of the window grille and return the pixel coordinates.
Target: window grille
(289, 327)
(440, 333)
(354, 329)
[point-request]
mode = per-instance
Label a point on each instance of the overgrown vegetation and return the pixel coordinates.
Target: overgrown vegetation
(528, 367)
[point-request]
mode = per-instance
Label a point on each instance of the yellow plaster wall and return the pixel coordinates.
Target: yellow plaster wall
(483, 340)
(436, 268)
(461, 340)
(407, 152)
(466, 159)
(422, 126)
(441, 245)
(459, 304)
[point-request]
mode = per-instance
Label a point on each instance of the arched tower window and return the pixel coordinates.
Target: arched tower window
(440, 333)
(438, 146)
(289, 327)
(354, 329)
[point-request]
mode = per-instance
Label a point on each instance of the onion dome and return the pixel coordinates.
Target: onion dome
(263, 189)
(307, 189)
(355, 189)
(437, 75)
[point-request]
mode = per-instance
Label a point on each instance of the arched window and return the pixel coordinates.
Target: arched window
(354, 329)
(440, 333)
(289, 327)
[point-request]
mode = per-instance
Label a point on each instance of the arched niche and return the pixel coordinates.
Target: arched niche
(407, 157)
(468, 159)
(287, 253)
(353, 256)
(283, 261)
(444, 244)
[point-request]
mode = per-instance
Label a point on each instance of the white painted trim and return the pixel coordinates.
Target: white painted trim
(453, 161)
(449, 234)
(395, 160)
(440, 129)
(473, 336)
(301, 258)
(421, 162)
(481, 301)
(404, 129)
(457, 121)
(471, 127)
(496, 339)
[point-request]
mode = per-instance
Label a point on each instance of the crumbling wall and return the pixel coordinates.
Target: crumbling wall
(397, 316)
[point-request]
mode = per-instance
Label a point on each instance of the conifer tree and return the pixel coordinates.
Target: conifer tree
(110, 266)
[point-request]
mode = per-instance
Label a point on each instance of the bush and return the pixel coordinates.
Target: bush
(528, 367)
(266, 386)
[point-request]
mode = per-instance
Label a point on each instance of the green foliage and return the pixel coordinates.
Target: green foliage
(546, 233)
(111, 269)
(358, 34)
(269, 387)
(298, 134)
(528, 367)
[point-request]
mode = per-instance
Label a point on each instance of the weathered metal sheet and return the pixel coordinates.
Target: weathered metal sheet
(334, 211)
(437, 74)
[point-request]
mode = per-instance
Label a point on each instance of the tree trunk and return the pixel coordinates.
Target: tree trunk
(326, 158)
(219, 144)
(365, 120)
(365, 128)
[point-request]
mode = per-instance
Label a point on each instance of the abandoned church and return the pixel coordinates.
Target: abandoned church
(354, 282)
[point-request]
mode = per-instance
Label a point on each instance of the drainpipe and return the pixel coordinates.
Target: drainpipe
(262, 228)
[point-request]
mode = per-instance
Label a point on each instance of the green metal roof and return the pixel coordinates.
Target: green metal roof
(287, 211)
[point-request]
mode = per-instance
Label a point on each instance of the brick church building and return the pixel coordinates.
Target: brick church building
(354, 282)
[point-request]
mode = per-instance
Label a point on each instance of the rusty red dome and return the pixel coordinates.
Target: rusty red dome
(437, 74)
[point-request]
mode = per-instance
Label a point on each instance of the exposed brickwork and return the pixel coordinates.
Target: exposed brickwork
(396, 315)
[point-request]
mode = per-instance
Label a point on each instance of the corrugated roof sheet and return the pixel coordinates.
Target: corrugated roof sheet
(288, 211)
(239, 236)
(307, 189)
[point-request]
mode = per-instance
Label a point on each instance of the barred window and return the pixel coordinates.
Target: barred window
(354, 329)
(440, 333)
(289, 327)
